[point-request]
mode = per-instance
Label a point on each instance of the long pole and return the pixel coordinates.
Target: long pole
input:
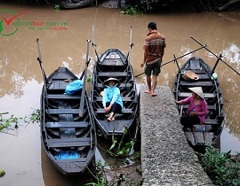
(218, 57)
(93, 43)
(130, 44)
(204, 46)
(40, 63)
(82, 101)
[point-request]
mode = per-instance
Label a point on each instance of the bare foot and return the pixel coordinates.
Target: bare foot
(111, 119)
(147, 91)
(153, 94)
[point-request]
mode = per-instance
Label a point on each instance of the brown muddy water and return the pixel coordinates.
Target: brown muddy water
(65, 45)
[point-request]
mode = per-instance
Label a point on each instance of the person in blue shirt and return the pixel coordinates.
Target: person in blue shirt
(112, 100)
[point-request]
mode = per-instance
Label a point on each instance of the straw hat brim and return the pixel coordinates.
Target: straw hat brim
(198, 91)
(111, 79)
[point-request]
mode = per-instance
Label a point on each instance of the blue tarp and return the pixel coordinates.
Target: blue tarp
(74, 86)
(66, 155)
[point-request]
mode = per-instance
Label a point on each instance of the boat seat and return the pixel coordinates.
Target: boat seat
(196, 138)
(62, 111)
(75, 160)
(63, 96)
(112, 74)
(124, 111)
(210, 107)
(212, 122)
(187, 94)
(99, 98)
(196, 83)
(122, 85)
(201, 76)
(69, 142)
(67, 124)
(58, 85)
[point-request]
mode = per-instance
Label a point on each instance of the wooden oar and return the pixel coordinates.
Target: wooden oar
(82, 101)
(40, 63)
(203, 46)
(219, 57)
(43, 72)
(130, 45)
(44, 84)
(93, 43)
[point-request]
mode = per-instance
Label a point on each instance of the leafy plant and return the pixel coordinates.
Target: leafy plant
(131, 10)
(100, 182)
(7, 122)
(219, 167)
(34, 116)
(121, 148)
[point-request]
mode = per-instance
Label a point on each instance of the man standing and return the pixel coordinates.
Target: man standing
(153, 53)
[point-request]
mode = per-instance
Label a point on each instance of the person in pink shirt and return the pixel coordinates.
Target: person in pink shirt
(197, 109)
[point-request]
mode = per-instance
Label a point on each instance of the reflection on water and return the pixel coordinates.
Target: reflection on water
(21, 78)
(232, 54)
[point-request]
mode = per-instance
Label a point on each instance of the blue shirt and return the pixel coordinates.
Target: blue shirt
(112, 95)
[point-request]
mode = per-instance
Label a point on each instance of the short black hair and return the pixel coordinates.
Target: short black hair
(152, 25)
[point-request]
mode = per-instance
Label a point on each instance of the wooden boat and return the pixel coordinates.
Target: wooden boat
(68, 140)
(202, 76)
(68, 134)
(71, 4)
(113, 63)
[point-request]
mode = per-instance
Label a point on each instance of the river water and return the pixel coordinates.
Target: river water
(63, 34)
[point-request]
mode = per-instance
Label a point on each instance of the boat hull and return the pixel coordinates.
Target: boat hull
(209, 132)
(68, 140)
(113, 63)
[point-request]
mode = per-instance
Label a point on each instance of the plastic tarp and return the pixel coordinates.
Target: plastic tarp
(74, 86)
(66, 155)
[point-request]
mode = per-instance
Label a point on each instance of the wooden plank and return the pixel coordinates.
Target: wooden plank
(77, 124)
(112, 74)
(124, 111)
(62, 96)
(71, 160)
(68, 142)
(63, 111)
(197, 83)
(199, 137)
(190, 138)
(187, 94)
(99, 98)
(122, 85)
(208, 136)
(201, 76)
(212, 122)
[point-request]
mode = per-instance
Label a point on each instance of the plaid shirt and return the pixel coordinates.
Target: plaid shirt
(154, 45)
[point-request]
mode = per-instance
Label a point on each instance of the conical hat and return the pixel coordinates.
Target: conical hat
(111, 79)
(198, 91)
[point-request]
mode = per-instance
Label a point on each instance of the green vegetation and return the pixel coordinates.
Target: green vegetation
(34, 116)
(121, 148)
(2, 173)
(219, 166)
(13, 120)
(132, 10)
(6, 123)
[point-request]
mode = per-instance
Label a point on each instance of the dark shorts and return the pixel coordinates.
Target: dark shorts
(189, 121)
(116, 108)
(154, 69)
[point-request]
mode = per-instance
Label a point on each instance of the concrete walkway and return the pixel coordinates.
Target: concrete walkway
(166, 157)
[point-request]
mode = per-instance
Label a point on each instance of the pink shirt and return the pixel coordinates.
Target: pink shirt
(200, 109)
